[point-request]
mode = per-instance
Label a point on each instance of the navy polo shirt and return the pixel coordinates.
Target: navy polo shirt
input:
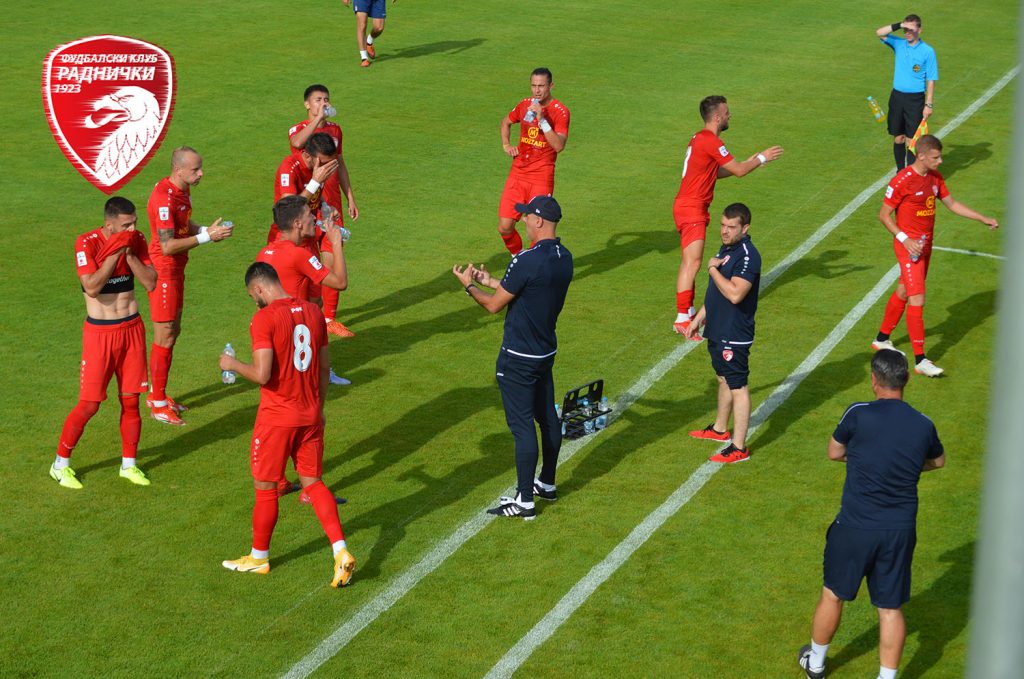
(726, 322)
(887, 442)
(914, 65)
(539, 278)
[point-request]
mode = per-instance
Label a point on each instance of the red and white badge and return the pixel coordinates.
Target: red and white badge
(727, 354)
(108, 100)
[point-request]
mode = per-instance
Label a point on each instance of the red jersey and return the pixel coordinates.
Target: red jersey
(92, 248)
(913, 198)
(290, 180)
(169, 208)
(536, 157)
(297, 266)
(332, 187)
(704, 155)
(297, 333)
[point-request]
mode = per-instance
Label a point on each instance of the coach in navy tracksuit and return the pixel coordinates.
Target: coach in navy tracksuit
(533, 289)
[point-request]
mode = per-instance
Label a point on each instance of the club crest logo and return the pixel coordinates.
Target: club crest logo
(108, 100)
(727, 354)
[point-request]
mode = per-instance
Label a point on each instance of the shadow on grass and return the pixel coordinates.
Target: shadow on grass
(427, 49)
(622, 248)
(827, 265)
(961, 317)
(956, 157)
(938, 615)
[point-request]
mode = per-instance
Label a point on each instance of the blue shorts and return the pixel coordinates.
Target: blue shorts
(377, 9)
(731, 362)
(881, 556)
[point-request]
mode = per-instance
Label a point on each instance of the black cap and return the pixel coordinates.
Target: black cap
(545, 207)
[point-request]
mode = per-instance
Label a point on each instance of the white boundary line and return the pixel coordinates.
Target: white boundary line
(974, 253)
(581, 591)
(401, 585)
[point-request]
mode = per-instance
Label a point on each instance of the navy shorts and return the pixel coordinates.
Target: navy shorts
(376, 9)
(731, 362)
(881, 556)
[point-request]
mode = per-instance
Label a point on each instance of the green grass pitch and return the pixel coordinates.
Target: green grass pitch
(117, 580)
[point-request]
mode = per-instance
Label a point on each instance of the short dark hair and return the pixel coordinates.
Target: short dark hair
(116, 205)
(543, 71)
(315, 88)
(913, 18)
(890, 368)
(178, 155)
(709, 105)
(928, 142)
(287, 210)
(320, 143)
(261, 271)
(737, 210)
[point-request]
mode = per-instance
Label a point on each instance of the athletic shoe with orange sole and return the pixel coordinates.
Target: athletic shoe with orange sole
(175, 406)
(681, 327)
(709, 432)
(372, 52)
(248, 564)
(366, 63)
(344, 566)
(166, 415)
(338, 329)
(730, 455)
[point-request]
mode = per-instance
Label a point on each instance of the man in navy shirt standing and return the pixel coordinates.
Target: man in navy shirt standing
(913, 84)
(533, 289)
(729, 306)
(886, 444)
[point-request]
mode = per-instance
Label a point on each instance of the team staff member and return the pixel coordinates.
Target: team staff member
(706, 161)
(290, 363)
(729, 306)
(376, 10)
(543, 132)
(108, 260)
(533, 289)
(886, 444)
(317, 100)
(173, 234)
(911, 195)
(913, 84)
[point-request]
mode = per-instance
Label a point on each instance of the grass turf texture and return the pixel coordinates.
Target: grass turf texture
(119, 580)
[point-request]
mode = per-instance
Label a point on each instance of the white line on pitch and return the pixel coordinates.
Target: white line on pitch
(581, 591)
(401, 585)
(974, 253)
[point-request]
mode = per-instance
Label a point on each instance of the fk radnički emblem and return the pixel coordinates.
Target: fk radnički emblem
(108, 100)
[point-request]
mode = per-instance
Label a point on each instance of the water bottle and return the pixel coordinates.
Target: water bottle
(228, 376)
(920, 241)
(588, 425)
(876, 110)
(602, 419)
(326, 211)
(558, 414)
(530, 115)
(329, 111)
(227, 224)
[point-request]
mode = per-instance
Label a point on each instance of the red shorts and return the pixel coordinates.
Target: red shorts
(690, 232)
(520, 189)
(167, 299)
(272, 446)
(115, 349)
(912, 274)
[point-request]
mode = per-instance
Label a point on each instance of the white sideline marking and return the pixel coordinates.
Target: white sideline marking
(581, 591)
(370, 611)
(974, 253)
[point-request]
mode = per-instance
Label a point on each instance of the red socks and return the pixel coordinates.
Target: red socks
(684, 300)
(330, 297)
(264, 518)
(326, 510)
(915, 328)
(159, 367)
(893, 312)
(74, 425)
(131, 424)
(514, 242)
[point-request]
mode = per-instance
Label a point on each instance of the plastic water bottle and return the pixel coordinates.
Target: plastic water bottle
(530, 115)
(227, 224)
(330, 111)
(602, 419)
(558, 414)
(920, 241)
(876, 110)
(228, 376)
(326, 211)
(588, 425)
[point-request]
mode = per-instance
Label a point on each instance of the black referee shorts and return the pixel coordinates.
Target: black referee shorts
(881, 556)
(906, 110)
(731, 362)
